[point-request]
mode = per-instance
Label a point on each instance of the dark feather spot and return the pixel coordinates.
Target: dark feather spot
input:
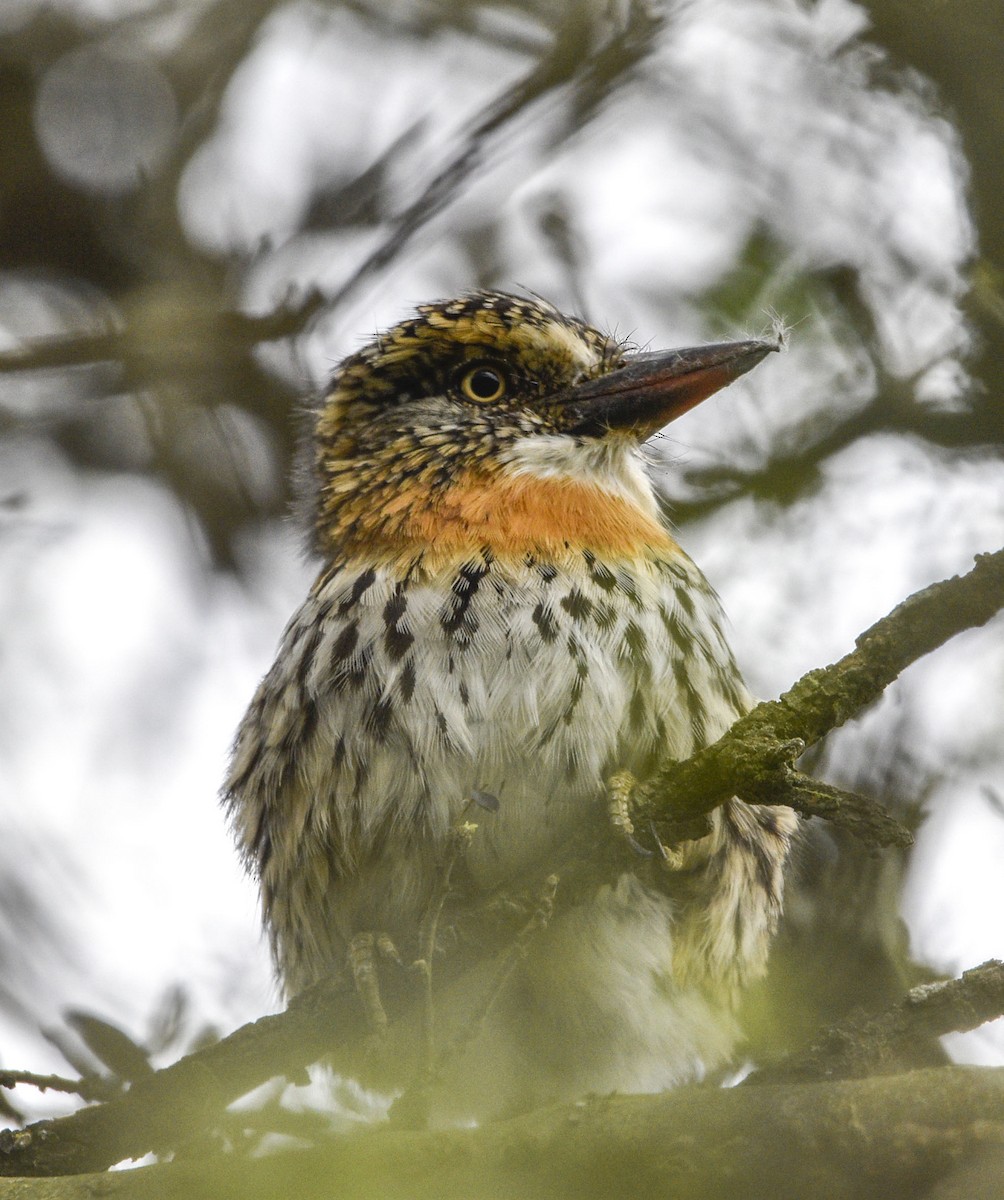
(636, 642)
(397, 642)
(379, 718)
(629, 586)
(768, 821)
(546, 735)
(678, 635)
(311, 636)
(696, 711)
(457, 619)
(685, 600)
(600, 574)
(577, 605)
(605, 615)
(396, 607)
(406, 681)
(543, 618)
(352, 673)
(468, 577)
(345, 643)
(636, 711)
(308, 718)
(363, 583)
(442, 726)
(756, 847)
(574, 696)
(264, 852)
(261, 833)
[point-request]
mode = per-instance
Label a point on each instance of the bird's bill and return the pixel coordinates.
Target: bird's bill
(653, 389)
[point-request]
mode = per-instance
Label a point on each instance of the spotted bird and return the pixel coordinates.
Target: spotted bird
(501, 610)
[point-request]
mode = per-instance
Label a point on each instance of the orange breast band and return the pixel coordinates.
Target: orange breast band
(511, 516)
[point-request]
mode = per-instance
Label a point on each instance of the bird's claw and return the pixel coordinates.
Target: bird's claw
(620, 787)
(364, 950)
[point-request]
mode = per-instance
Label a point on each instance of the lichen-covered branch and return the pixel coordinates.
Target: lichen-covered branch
(858, 814)
(893, 1040)
(752, 759)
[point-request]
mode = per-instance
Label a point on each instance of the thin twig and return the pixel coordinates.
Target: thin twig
(517, 949)
(859, 815)
(90, 1087)
(411, 1109)
(460, 838)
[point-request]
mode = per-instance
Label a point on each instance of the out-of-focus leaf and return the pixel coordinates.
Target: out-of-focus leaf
(112, 1047)
(168, 1019)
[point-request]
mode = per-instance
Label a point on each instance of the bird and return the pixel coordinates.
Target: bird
(502, 617)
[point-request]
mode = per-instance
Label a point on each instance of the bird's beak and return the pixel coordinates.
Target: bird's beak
(652, 389)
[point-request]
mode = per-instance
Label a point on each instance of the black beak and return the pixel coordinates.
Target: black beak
(653, 389)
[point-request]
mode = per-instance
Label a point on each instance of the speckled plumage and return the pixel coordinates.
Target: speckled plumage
(500, 608)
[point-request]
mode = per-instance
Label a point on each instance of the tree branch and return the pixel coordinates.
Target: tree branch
(859, 1139)
(571, 60)
(181, 1101)
(241, 331)
(752, 759)
(892, 1041)
(88, 1087)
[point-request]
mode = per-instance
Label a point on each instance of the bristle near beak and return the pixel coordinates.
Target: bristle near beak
(653, 389)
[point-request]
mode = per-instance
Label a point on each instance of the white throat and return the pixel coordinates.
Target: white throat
(612, 463)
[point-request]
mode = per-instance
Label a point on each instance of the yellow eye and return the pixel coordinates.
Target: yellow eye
(483, 384)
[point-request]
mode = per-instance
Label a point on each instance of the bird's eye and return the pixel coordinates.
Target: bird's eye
(483, 384)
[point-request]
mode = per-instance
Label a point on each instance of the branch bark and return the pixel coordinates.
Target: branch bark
(753, 758)
(890, 1041)
(880, 1138)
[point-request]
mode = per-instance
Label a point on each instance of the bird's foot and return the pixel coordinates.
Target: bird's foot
(365, 950)
(620, 787)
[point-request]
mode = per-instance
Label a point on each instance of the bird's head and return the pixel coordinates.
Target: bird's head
(496, 423)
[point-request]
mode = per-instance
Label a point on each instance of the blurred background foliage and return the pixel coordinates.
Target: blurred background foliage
(205, 203)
